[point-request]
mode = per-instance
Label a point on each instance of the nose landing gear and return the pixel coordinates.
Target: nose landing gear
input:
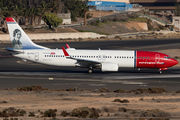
(161, 69)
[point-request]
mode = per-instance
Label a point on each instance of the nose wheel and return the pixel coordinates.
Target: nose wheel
(159, 71)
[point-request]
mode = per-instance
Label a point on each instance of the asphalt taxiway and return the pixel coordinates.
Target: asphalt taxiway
(16, 73)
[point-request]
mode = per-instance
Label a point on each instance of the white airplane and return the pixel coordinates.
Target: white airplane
(106, 60)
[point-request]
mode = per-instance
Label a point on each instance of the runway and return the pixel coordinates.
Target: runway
(16, 73)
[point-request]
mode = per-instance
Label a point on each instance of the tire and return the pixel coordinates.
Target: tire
(90, 71)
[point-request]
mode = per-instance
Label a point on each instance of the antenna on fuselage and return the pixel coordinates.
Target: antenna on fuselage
(99, 48)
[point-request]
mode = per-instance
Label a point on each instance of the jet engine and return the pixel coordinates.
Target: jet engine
(109, 67)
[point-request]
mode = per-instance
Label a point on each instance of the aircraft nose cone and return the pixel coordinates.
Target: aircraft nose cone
(175, 62)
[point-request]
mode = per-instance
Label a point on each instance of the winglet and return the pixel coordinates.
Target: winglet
(65, 52)
(68, 46)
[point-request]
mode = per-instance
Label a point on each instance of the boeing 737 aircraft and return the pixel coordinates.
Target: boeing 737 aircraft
(106, 60)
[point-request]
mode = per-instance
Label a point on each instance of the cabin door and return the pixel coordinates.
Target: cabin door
(157, 60)
(36, 56)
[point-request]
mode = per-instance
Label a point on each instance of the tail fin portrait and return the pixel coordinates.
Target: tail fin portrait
(19, 39)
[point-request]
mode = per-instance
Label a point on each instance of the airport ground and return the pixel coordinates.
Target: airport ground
(15, 73)
(15, 68)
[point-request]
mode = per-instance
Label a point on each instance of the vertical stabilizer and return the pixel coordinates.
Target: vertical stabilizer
(18, 37)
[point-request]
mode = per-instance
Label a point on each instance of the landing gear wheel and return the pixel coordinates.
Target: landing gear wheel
(160, 72)
(90, 70)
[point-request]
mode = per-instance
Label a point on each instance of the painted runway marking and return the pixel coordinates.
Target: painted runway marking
(51, 78)
(97, 84)
(142, 77)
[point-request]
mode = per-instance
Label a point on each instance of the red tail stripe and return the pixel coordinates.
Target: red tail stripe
(9, 19)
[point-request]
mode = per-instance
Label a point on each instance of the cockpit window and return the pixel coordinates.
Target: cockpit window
(167, 57)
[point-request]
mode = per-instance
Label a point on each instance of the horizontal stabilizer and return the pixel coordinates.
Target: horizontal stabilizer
(13, 50)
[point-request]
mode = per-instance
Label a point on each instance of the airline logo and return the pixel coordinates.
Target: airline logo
(53, 53)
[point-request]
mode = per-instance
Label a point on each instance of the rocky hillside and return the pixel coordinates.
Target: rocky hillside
(114, 27)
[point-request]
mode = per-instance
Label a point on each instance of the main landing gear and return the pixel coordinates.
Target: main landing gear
(90, 70)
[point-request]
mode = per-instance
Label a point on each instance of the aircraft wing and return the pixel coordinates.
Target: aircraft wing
(82, 62)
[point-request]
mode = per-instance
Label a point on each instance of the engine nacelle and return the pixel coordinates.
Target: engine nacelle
(109, 67)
